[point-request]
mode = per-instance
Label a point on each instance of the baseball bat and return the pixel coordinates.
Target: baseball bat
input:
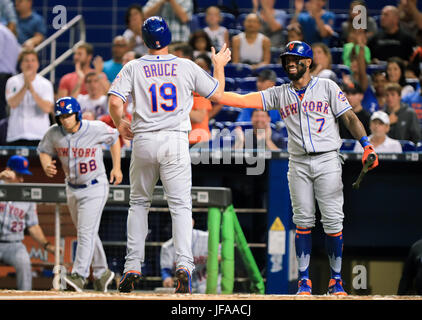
(369, 161)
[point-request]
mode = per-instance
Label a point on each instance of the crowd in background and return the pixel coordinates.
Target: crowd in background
(378, 67)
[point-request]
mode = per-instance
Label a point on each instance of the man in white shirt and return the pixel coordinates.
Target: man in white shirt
(30, 98)
(93, 104)
(379, 126)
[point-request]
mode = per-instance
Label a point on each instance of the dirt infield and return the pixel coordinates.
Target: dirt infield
(148, 295)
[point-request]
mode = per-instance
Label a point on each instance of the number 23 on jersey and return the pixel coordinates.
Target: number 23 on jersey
(168, 92)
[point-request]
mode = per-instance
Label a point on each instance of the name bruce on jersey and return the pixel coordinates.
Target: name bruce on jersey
(160, 69)
(307, 106)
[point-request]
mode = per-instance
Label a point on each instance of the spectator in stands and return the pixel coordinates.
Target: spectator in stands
(272, 21)
(294, 32)
(347, 26)
(128, 56)
(379, 126)
(357, 38)
(354, 95)
(177, 14)
(8, 15)
(403, 120)
(113, 66)
(217, 33)
(204, 61)
(390, 41)
(73, 84)
(182, 50)
(411, 279)
(8, 58)
(321, 65)
(31, 26)
(267, 78)
(261, 135)
(94, 103)
(31, 99)
(133, 34)
(414, 100)
(200, 43)
(396, 74)
(12, 231)
(317, 23)
(410, 17)
(416, 58)
(251, 46)
(379, 81)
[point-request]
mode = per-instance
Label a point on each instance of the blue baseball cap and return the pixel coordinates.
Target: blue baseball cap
(19, 164)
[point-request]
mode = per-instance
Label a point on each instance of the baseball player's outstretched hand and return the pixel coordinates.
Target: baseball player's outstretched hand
(367, 151)
(222, 57)
(125, 130)
(116, 176)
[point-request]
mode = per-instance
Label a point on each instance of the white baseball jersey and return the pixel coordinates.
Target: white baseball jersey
(311, 122)
(199, 251)
(81, 152)
(167, 83)
(14, 218)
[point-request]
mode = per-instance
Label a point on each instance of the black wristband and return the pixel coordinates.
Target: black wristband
(46, 244)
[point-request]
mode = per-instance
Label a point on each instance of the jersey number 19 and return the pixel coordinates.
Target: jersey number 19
(168, 92)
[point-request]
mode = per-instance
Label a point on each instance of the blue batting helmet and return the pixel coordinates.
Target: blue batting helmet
(67, 105)
(155, 33)
(19, 164)
(297, 48)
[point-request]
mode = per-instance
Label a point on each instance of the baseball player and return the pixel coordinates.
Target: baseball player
(14, 218)
(162, 87)
(310, 108)
(78, 144)
(200, 255)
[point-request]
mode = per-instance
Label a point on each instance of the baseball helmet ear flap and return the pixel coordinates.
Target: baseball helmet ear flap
(156, 33)
(67, 105)
(299, 49)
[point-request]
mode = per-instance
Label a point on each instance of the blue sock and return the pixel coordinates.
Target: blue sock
(303, 243)
(334, 247)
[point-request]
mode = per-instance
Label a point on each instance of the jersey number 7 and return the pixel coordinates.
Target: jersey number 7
(167, 92)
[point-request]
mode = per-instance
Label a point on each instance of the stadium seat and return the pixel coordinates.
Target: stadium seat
(419, 146)
(275, 55)
(277, 68)
(337, 55)
(239, 21)
(229, 20)
(230, 84)
(339, 69)
(237, 70)
(371, 68)
(413, 82)
(407, 146)
(280, 81)
(340, 18)
(233, 32)
(227, 114)
(348, 145)
(246, 84)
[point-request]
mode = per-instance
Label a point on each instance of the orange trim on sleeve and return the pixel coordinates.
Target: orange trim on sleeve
(250, 100)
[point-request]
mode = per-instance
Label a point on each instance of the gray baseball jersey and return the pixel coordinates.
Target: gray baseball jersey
(14, 218)
(161, 87)
(81, 157)
(311, 122)
(80, 153)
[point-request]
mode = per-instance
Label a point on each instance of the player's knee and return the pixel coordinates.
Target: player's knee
(140, 202)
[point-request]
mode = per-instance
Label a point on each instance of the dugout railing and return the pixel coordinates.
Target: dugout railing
(216, 201)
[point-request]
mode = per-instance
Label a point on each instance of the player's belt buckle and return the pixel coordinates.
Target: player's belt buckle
(81, 186)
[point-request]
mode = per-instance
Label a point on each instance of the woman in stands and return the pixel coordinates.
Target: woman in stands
(396, 73)
(251, 46)
(322, 62)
